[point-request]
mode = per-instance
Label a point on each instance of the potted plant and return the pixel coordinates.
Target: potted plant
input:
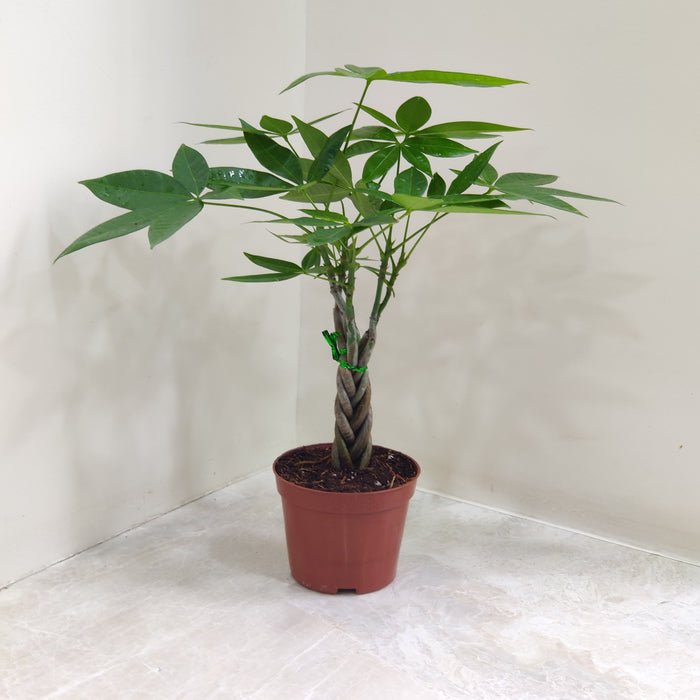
(366, 193)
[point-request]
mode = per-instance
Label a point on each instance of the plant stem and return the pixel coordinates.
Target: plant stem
(354, 118)
(375, 313)
(242, 206)
(289, 143)
(420, 233)
(353, 335)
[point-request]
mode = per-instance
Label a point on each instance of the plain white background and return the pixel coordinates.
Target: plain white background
(547, 368)
(132, 381)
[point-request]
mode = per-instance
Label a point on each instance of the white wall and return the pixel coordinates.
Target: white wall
(547, 368)
(131, 381)
(553, 365)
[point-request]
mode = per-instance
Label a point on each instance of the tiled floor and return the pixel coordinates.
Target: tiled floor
(199, 604)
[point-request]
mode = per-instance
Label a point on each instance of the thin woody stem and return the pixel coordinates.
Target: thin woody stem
(357, 113)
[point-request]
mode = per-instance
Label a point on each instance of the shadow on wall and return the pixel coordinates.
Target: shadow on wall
(503, 352)
(128, 371)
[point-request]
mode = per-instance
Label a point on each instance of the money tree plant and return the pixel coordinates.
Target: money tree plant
(366, 194)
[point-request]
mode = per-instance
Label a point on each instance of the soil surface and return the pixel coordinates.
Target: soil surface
(311, 468)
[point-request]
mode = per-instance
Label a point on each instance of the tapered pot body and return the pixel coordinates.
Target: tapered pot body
(344, 541)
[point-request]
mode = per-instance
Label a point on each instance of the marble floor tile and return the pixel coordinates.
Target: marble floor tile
(199, 604)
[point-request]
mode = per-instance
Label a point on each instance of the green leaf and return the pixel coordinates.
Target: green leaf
(412, 114)
(238, 192)
(171, 220)
(113, 228)
(306, 222)
(540, 196)
(273, 156)
(323, 236)
(324, 215)
(243, 183)
(438, 146)
(341, 170)
(271, 277)
(466, 130)
(314, 138)
(379, 163)
(190, 169)
(276, 126)
(137, 189)
(413, 203)
(215, 126)
(380, 133)
(468, 209)
(417, 76)
(319, 193)
(238, 139)
(307, 76)
(365, 72)
(164, 220)
(315, 141)
(528, 186)
(350, 71)
(311, 260)
(364, 204)
(225, 142)
(526, 179)
(361, 147)
(521, 186)
(410, 181)
(448, 78)
(471, 172)
(417, 159)
(483, 200)
(280, 123)
(437, 186)
(488, 176)
(284, 266)
(388, 121)
(578, 195)
(327, 116)
(327, 155)
(380, 219)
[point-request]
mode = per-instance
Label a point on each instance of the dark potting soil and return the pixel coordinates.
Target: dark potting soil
(311, 468)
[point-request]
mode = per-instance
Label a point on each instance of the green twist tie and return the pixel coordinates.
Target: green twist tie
(331, 339)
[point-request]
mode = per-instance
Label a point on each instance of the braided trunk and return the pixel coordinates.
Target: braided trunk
(352, 442)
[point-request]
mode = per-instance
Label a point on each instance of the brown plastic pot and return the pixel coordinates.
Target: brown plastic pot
(344, 541)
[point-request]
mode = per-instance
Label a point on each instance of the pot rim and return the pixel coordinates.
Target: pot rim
(320, 499)
(348, 493)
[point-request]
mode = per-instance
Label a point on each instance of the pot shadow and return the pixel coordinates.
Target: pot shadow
(252, 554)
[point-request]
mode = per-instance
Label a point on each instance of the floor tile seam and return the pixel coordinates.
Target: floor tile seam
(556, 526)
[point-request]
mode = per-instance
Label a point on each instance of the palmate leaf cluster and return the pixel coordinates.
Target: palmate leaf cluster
(367, 192)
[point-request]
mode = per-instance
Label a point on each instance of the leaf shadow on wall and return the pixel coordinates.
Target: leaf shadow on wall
(132, 380)
(502, 359)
